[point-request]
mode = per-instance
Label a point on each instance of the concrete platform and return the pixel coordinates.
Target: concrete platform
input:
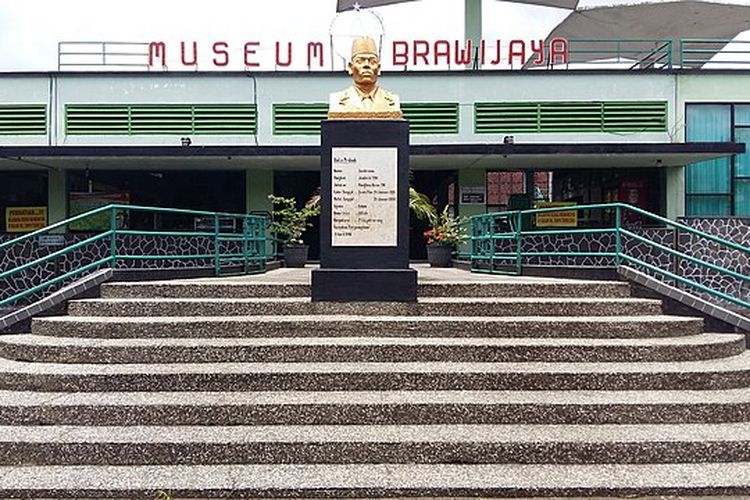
(434, 282)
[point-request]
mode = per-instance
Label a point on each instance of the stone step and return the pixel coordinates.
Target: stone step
(378, 480)
(431, 306)
(523, 287)
(375, 326)
(393, 444)
(724, 373)
(366, 349)
(378, 407)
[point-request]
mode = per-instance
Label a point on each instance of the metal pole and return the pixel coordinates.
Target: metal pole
(245, 227)
(261, 242)
(216, 245)
(519, 229)
(618, 237)
(113, 236)
(677, 259)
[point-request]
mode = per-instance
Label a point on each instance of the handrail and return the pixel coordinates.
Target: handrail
(52, 227)
(245, 247)
(484, 238)
(644, 53)
(704, 50)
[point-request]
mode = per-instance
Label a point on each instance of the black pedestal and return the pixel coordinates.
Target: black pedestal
(364, 252)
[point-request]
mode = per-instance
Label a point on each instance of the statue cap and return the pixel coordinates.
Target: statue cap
(364, 45)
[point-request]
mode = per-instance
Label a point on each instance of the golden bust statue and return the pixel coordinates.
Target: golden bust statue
(364, 99)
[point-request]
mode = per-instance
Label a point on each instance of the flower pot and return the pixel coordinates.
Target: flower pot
(439, 255)
(295, 255)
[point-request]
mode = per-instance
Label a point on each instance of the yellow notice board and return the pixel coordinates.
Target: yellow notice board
(25, 219)
(557, 219)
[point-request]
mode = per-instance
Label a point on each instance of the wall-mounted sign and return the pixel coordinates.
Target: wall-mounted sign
(79, 203)
(364, 197)
(556, 219)
(473, 195)
(208, 224)
(398, 54)
(25, 219)
(51, 240)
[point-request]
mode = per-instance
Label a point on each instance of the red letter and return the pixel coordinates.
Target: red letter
(463, 56)
(421, 53)
(400, 58)
(312, 51)
(538, 51)
(442, 49)
(482, 47)
(558, 47)
(157, 49)
(223, 51)
(194, 62)
(517, 48)
(498, 46)
(288, 55)
(250, 49)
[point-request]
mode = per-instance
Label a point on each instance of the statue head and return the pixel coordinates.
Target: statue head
(364, 65)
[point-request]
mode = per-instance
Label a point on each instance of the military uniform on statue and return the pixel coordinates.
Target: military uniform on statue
(364, 98)
(364, 180)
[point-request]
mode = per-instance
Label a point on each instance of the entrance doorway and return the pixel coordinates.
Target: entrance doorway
(300, 186)
(441, 187)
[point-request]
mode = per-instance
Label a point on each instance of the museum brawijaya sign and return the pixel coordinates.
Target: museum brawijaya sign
(316, 55)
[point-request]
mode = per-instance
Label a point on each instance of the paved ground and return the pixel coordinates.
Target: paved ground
(426, 274)
(166, 496)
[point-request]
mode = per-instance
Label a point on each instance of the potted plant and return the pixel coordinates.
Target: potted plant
(445, 234)
(289, 223)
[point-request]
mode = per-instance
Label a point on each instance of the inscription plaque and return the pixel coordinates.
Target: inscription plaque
(364, 197)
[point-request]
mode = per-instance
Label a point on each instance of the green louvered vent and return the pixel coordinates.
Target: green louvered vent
(23, 119)
(431, 117)
(163, 119)
(652, 116)
(570, 117)
(305, 118)
(299, 118)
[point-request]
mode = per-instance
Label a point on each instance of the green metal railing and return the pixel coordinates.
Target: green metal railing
(719, 53)
(238, 242)
(508, 230)
(634, 53)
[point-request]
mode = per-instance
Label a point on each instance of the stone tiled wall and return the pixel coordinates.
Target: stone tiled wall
(30, 250)
(590, 243)
(732, 229)
(736, 230)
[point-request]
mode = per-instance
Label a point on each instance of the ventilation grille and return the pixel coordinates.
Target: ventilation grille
(162, 119)
(305, 118)
(568, 117)
(298, 118)
(23, 119)
(432, 117)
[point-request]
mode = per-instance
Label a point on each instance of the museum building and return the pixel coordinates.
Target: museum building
(669, 141)
(664, 128)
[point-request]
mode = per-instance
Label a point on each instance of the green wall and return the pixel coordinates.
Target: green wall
(258, 185)
(57, 196)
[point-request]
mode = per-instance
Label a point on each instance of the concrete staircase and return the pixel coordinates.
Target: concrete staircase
(488, 386)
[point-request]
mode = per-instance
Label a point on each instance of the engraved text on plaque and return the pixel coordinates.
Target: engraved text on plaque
(364, 197)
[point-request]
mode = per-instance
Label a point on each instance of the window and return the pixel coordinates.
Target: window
(719, 187)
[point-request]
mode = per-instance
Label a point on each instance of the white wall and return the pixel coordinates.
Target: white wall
(26, 90)
(265, 89)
